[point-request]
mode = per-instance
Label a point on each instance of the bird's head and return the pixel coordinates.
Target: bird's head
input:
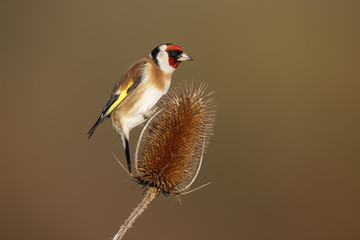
(168, 56)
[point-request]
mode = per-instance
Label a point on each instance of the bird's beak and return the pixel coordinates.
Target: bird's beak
(184, 57)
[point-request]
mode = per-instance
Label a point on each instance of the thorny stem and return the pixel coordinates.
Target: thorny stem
(149, 196)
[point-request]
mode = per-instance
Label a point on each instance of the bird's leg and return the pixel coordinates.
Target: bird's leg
(149, 113)
(127, 154)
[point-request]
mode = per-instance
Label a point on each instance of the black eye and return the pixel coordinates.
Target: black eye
(173, 53)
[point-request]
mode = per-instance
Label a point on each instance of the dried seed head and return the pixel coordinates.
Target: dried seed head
(170, 148)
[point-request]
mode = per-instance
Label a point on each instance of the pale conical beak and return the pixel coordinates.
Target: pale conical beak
(184, 57)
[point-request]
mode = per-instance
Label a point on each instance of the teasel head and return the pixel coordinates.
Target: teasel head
(171, 146)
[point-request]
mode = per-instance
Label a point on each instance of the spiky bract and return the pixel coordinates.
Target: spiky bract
(171, 146)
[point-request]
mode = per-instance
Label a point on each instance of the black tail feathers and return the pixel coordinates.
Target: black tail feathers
(92, 130)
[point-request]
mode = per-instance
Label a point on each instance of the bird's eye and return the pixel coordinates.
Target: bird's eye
(171, 52)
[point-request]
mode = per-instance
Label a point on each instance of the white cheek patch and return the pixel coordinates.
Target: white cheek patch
(163, 60)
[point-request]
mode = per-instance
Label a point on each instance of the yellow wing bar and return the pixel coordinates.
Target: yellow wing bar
(121, 97)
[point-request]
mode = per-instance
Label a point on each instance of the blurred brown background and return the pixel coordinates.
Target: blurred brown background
(284, 159)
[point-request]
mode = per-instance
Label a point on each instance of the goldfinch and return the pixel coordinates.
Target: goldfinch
(138, 90)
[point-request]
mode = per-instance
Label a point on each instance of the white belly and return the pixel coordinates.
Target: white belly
(142, 107)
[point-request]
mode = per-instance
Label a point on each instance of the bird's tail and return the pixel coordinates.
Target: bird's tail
(92, 130)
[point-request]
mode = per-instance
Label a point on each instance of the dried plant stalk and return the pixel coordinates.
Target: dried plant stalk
(171, 146)
(148, 197)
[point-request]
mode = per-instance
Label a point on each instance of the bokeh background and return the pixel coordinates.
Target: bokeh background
(284, 158)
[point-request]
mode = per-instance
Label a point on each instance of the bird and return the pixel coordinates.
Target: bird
(138, 91)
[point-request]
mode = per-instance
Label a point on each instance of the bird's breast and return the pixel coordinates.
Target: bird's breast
(130, 113)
